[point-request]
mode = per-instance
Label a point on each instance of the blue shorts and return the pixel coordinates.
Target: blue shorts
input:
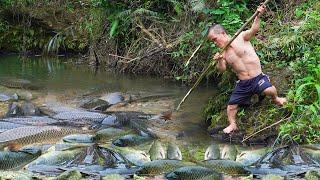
(246, 88)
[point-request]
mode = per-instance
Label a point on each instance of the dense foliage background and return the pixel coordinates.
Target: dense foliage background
(158, 37)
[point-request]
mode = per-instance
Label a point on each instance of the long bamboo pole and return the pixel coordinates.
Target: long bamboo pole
(223, 49)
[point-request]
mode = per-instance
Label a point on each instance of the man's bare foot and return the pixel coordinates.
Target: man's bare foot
(280, 101)
(230, 128)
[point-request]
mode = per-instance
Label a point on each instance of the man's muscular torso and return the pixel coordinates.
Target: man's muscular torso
(243, 59)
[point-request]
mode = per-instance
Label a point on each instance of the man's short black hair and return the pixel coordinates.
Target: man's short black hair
(216, 28)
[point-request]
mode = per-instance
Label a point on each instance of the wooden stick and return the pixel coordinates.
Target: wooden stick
(223, 49)
(187, 63)
(253, 134)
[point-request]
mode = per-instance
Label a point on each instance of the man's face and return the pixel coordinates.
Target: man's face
(219, 39)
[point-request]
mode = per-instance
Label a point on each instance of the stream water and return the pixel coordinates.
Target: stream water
(68, 80)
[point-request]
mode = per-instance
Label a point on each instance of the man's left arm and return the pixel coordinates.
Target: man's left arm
(247, 35)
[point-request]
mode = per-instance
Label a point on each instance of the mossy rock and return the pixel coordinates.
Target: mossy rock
(312, 175)
(113, 177)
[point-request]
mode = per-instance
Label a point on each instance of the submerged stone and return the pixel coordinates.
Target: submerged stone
(29, 109)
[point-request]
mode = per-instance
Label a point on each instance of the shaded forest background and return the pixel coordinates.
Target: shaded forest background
(158, 37)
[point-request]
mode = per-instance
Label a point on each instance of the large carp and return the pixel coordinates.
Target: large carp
(17, 83)
(8, 125)
(32, 120)
(194, 173)
(17, 159)
(158, 167)
(34, 134)
(130, 140)
(225, 166)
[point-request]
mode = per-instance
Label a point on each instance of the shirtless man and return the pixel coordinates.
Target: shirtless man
(244, 61)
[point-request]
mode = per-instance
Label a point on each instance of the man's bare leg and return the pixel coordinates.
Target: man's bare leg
(272, 92)
(232, 113)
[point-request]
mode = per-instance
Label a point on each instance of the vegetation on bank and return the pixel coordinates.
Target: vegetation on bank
(158, 37)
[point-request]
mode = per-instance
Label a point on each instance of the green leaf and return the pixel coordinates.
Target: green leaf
(114, 27)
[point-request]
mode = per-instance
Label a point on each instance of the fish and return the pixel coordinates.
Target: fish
(15, 83)
(20, 136)
(225, 166)
(130, 140)
(135, 157)
(158, 167)
(156, 151)
(173, 152)
(78, 138)
(80, 116)
(13, 160)
(313, 153)
(249, 157)
(229, 152)
(8, 125)
(194, 173)
(32, 120)
(108, 134)
(57, 158)
(113, 98)
(15, 175)
(8, 97)
(212, 152)
(96, 105)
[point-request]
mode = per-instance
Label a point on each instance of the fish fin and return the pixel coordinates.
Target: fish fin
(13, 146)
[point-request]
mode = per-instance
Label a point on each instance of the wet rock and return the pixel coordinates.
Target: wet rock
(229, 152)
(113, 177)
(14, 110)
(272, 177)
(70, 175)
(29, 109)
(312, 175)
(113, 98)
